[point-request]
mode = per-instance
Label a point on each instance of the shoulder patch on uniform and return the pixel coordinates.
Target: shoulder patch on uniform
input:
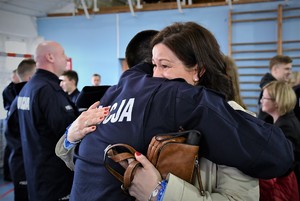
(68, 107)
(23, 103)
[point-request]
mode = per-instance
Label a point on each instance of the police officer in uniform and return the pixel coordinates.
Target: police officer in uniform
(44, 113)
(25, 71)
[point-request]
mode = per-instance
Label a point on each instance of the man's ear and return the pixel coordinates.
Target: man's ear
(50, 57)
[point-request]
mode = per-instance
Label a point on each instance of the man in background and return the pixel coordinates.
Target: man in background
(69, 81)
(44, 112)
(280, 67)
(25, 71)
(96, 79)
(8, 94)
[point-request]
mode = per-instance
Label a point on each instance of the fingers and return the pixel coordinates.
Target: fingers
(143, 160)
(79, 134)
(95, 105)
(93, 116)
(87, 121)
(88, 130)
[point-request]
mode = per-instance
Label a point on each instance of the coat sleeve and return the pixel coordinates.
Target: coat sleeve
(229, 184)
(232, 137)
(65, 154)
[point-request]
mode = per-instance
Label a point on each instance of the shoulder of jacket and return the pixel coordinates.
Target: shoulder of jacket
(236, 106)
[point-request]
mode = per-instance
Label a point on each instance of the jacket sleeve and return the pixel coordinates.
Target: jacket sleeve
(232, 137)
(229, 184)
(65, 154)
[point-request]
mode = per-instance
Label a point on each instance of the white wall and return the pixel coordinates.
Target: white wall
(18, 34)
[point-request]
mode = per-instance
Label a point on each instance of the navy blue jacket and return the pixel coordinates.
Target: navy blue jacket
(74, 95)
(142, 106)
(13, 139)
(44, 113)
(8, 94)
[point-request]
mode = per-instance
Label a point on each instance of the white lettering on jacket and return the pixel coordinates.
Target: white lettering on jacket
(23, 103)
(120, 112)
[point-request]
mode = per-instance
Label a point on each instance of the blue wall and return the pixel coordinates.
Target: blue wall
(96, 45)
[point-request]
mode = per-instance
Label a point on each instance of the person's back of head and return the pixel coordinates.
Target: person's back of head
(139, 48)
(196, 46)
(280, 67)
(232, 72)
(283, 95)
(26, 69)
(50, 56)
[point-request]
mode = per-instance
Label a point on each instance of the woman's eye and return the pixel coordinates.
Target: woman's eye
(165, 66)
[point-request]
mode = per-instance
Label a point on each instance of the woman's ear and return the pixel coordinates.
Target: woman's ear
(195, 75)
(202, 71)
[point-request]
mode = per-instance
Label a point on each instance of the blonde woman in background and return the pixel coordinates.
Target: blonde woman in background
(278, 100)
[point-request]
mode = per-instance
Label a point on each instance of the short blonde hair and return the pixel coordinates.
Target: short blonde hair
(283, 95)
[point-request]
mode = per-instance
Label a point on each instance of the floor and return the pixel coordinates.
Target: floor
(6, 189)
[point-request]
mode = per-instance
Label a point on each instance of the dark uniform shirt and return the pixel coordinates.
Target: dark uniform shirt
(44, 113)
(8, 94)
(74, 95)
(13, 140)
(142, 106)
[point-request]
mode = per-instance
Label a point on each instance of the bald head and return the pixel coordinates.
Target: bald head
(50, 56)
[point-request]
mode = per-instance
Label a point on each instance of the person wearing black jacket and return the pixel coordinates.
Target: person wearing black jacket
(25, 71)
(44, 113)
(8, 95)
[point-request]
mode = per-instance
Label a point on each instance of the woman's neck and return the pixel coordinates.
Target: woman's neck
(275, 116)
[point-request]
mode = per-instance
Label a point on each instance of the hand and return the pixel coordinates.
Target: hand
(87, 121)
(145, 179)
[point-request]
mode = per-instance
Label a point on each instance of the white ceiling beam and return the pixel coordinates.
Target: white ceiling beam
(179, 6)
(86, 12)
(131, 7)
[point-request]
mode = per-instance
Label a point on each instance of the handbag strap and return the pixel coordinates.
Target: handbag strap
(118, 157)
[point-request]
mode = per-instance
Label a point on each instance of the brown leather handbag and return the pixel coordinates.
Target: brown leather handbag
(175, 153)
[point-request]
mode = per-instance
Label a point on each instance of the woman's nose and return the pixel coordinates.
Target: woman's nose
(157, 72)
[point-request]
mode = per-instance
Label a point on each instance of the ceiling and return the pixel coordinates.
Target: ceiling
(37, 8)
(42, 8)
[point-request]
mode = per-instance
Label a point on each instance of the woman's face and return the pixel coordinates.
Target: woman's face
(268, 104)
(167, 65)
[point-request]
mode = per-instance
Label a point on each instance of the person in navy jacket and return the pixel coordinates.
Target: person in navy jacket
(25, 71)
(44, 113)
(142, 106)
(8, 95)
